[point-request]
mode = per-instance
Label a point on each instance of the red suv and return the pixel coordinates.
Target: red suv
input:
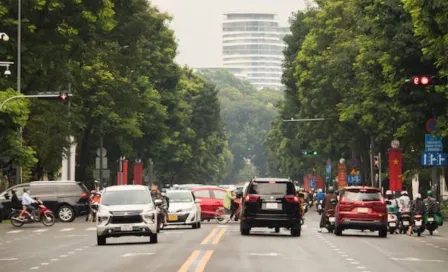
(361, 208)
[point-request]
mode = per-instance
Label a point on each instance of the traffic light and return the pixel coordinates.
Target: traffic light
(315, 153)
(376, 162)
(63, 96)
(425, 81)
(306, 153)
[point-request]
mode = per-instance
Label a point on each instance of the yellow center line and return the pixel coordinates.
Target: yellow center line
(189, 261)
(207, 239)
(204, 260)
(219, 236)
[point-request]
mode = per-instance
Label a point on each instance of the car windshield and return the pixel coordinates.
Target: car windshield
(126, 197)
(362, 196)
(276, 188)
(180, 197)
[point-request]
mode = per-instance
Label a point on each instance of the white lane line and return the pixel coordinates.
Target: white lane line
(8, 259)
(15, 231)
(349, 259)
(360, 267)
(44, 264)
(67, 229)
(62, 256)
(34, 268)
(40, 230)
(8, 242)
(444, 248)
(78, 249)
(90, 229)
(355, 263)
(54, 260)
(71, 252)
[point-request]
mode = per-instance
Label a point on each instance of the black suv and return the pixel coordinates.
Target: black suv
(271, 203)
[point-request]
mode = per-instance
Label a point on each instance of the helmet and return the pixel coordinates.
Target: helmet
(330, 190)
(388, 192)
(336, 192)
(418, 196)
(429, 193)
(319, 190)
(403, 193)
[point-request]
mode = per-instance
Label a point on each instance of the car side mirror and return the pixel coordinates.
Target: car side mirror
(6, 196)
(197, 201)
(158, 202)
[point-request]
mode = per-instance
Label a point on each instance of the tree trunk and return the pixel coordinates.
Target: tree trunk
(83, 157)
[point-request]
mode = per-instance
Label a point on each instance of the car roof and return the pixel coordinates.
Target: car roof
(208, 187)
(126, 188)
(272, 179)
(178, 191)
(363, 188)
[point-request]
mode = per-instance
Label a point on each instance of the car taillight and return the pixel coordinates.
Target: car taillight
(252, 198)
(345, 206)
(83, 195)
(292, 199)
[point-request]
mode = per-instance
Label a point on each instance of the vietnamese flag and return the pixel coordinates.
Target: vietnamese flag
(320, 183)
(306, 183)
(395, 170)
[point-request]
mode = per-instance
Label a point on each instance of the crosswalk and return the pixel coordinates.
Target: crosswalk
(47, 229)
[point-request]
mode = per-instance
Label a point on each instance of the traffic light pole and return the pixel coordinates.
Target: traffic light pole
(30, 96)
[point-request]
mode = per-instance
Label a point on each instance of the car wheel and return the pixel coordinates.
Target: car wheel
(199, 224)
(382, 233)
(244, 228)
(194, 226)
(66, 213)
(153, 238)
(277, 229)
(100, 240)
(296, 230)
(338, 231)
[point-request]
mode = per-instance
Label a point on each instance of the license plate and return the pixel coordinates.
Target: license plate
(363, 210)
(418, 223)
(332, 219)
(405, 223)
(126, 228)
(271, 206)
(392, 224)
(172, 218)
(430, 219)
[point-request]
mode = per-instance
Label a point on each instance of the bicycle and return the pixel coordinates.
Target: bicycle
(222, 215)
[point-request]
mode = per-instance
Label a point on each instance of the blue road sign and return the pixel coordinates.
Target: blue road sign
(313, 181)
(328, 169)
(354, 163)
(433, 144)
(354, 179)
(433, 159)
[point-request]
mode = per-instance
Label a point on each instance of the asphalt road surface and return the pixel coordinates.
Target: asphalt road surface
(72, 247)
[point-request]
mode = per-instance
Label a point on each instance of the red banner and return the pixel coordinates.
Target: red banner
(125, 172)
(306, 183)
(395, 170)
(342, 176)
(138, 173)
(320, 183)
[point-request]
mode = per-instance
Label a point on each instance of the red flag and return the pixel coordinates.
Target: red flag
(320, 183)
(306, 183)
(395, 170)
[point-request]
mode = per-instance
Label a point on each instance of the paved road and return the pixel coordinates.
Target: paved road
(72, 247)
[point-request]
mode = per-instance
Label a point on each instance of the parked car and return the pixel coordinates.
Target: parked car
(127, 210)
(361, 208)
(67, 199)
(184, 209)
(271, 203)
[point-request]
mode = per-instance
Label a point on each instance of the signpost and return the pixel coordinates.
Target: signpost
(433, 159)
(328, 172)
(433, 143)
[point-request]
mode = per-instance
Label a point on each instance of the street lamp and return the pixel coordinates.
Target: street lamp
(4, 37)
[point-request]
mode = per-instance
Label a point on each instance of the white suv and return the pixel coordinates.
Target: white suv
(126, 210)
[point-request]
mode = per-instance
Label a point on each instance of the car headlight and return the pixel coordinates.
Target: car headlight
(103, 216)
(149, 215)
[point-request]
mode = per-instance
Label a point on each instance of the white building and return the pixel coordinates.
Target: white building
(253, 48)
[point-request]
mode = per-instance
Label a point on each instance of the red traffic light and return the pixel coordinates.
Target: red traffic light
(63, 96)
(421, 80)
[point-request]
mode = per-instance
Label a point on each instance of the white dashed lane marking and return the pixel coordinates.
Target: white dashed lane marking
(67, 229)
(90, 229)
(40, 230)
(15, 231)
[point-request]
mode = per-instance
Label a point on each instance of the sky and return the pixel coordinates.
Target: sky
(197, 24)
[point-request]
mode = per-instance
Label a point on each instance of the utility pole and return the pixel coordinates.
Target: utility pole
(69, 153)
(379, 171)
(101, 157)
(372, 176)
(19, 76)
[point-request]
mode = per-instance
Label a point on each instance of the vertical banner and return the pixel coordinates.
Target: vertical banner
(125, 172)
(328, 172)
(342, 175)
(320, 182)
(395, 170)
(306, 183)
(118, 177)
(138, 173)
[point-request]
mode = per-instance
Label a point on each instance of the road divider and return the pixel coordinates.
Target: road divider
(215, 236)
(219, 236)
(197, 261)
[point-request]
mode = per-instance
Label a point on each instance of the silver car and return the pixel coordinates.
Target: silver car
(184, 209)
(126, 210)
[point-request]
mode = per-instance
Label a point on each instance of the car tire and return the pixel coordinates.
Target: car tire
(296, 231)
(277, 229)
(101, 240)
(382, 233)
(153, 238)
(199, 224)
(66, 214)
(194, 225)
(244, 228)
(338, 231)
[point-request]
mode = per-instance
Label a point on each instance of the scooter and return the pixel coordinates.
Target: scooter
(431, 224)
(43, 215)
(405, 222)
(330, 217)
(392, 223)
(418, 226)
(319, 207)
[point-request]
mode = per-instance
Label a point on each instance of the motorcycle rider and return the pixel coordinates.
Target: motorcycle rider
(164, 206)
(326, 205)
(404, 202)
(27, 202)
(319, 197)
(393, 206)
(417, 207)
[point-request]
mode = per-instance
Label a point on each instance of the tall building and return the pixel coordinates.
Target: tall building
(253, 48)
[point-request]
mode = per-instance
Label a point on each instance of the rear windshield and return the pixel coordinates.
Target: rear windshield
(362, 196)
(127, 197)
(278, 188)
(180, 197)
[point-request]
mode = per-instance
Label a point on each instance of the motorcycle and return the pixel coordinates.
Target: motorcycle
(330, 217)
(392, 223)
(405, 222)
(319, 207)
(431, 224)
(44, 215)
(418, 226)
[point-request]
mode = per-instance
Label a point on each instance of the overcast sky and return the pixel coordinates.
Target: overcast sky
(197, 24)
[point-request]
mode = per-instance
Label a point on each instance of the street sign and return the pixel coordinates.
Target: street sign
(431, 125)
(354, 179)
(354, 163)
(98, 152)
(98, 163)
(433, 159)
(328, 169)
(96, 173)
(433, 144)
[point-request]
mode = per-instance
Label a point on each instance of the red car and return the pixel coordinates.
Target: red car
(361, 208)
(212, 198)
